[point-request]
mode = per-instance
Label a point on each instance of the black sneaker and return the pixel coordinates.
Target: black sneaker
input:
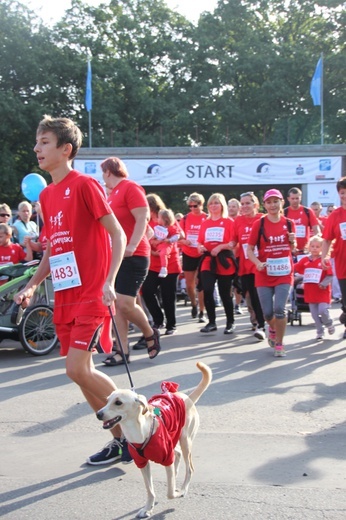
(141, 344)
(201, 318)
(125, 454)
(210, 327)
(229, 329)
(110, 453)
(194, 311)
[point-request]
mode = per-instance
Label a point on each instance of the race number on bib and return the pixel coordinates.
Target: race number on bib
(214, 234)
(343, 230)
(64, 271)
(312, 275)
(300, 231)
(192, 237)
(160, 232)
(278, 266)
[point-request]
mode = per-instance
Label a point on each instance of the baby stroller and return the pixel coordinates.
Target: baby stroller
(298, 304)
(32, 326)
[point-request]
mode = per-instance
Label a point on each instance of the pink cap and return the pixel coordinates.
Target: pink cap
(272, 193)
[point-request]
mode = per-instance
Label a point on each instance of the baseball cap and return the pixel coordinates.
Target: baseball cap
(272, 193)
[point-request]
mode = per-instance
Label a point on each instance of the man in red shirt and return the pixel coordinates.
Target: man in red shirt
(304, 219)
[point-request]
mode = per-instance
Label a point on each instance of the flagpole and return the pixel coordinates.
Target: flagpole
(90, 138)
(322, 119)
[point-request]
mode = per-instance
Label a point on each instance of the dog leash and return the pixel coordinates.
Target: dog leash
(121, 347)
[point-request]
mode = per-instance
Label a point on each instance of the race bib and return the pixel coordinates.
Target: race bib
(342, 226)
(64, 271)
(300, 231)
(278, 266)
(192, 238)
(255, 251)
(312, 275)
(160, 232)
(214, 234)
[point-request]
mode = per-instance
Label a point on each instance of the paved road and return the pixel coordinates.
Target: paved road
(271, 443)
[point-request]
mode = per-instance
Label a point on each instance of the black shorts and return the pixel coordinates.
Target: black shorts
(132, 273)
(190, 263)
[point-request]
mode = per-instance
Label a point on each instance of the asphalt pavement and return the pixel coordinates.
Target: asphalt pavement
(271, 444)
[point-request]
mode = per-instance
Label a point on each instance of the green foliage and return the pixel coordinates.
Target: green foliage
(241, 76)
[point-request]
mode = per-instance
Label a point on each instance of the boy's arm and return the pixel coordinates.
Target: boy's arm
(23, 297)
(118, 239)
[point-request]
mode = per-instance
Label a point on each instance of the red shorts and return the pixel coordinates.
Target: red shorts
(84, 333)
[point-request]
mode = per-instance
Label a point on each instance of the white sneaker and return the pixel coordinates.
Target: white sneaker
(163, 272)
(259, 334)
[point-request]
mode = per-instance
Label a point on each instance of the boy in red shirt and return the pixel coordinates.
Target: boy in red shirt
(317, 286)
(304, 219)
(85, 246)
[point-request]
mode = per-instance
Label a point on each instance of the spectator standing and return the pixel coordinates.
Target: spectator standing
(191, 224)
(129, 204)
(23, 226)
(11, 253)
(218, 262)
(274, 236)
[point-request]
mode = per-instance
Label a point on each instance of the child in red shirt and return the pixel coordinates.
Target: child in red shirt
(317, 286)
(11, 253)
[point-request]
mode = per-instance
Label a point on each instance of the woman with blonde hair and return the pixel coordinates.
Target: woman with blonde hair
(217, 262)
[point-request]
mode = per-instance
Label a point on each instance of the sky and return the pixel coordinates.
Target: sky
(51, 11)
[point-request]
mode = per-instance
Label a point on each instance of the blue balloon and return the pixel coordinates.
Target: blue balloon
(32, 185)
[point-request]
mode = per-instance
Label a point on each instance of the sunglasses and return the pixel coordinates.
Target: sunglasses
(193, 206)
(4, 215)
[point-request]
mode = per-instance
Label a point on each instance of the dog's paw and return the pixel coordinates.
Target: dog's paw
(144, 513)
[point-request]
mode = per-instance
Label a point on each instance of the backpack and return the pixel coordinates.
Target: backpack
(261, 232)
(306, 211)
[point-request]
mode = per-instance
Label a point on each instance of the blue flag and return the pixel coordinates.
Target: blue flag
(88, 92)
(316, 83)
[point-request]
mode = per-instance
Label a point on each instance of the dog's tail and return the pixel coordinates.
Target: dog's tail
(203, 384)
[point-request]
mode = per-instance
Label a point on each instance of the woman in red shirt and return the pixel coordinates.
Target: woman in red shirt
(241, 232)
(191, 224)
(217, 263)
(168, 284)
(128, 202)
(274, 236)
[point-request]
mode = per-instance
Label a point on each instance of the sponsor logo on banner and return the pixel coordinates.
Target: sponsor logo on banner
(325, 165)
(300, 170)
(90, 167)
(154, 169)
(263, 168)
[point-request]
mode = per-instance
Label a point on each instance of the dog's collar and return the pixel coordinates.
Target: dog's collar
(140, 450)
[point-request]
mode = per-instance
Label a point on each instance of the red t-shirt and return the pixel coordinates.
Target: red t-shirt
(275, 252)
(241, 232)
(71, 210)
(173, 265)
(126, 196)
(303, 227)
(212, 234)
(160, 448)
(191, 224)
(313, 271)
(12, 254)
(335, 229)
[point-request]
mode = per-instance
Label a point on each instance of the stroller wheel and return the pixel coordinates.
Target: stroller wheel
(36, 330)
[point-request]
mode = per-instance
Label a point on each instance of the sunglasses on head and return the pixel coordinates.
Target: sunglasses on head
(247, 193)
(4, 215)
(193, 205)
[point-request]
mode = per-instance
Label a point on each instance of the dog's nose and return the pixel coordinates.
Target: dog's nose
(99, 415)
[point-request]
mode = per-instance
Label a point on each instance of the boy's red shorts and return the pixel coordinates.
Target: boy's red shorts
(83, 333)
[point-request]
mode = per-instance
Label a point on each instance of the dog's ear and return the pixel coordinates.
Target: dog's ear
(141, 400)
